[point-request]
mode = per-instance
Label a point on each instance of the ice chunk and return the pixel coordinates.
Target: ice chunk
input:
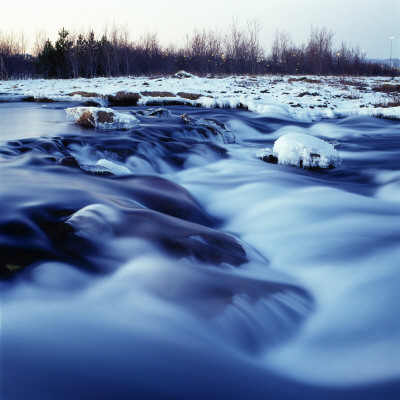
(114, 168)
(101, 117)
(301, 150)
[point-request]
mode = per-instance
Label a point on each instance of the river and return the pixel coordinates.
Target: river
(161, 262)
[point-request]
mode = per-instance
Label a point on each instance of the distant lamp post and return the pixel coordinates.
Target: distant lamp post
(391, 47)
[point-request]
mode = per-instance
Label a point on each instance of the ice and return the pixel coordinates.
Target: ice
(114, 168)
(103, 118)
(301, 150)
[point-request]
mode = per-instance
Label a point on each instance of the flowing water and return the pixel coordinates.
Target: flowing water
(162, 263)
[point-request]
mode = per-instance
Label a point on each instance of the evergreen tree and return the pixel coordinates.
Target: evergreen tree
(47, 61)
(63, 48)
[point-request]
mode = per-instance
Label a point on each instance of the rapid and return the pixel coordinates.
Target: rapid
(164, 262)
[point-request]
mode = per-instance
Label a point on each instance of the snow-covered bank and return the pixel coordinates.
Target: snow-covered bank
(303, 98)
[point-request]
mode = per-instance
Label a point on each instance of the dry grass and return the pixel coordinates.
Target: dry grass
(189, 96)
(124, 99)
(302, 94)
(157, 94)
(304, 79)
(84, 94)
(387, 88)
(393, 102)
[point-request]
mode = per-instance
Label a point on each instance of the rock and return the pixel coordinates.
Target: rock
(154, 112)
(69, 161)
(215, 127)
(86, 119)
(104, 117)
(301, 150)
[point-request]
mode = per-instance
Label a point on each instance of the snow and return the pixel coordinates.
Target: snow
(309, 98)
(117, 120)
(114, 168)
(301, 150)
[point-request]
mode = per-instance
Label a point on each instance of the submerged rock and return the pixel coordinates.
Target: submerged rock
(215, 127)
(301, 150)
(104, 118)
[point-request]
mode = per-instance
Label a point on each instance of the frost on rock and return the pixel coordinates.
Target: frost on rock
(183, 74)
(103, 118)
(301, 150)
(215, 127)
(155, 112)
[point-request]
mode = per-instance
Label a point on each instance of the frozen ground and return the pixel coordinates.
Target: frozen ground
(303, 98)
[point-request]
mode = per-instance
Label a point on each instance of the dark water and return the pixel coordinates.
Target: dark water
(160, 262)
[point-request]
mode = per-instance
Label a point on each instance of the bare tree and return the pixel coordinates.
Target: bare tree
(319, 50)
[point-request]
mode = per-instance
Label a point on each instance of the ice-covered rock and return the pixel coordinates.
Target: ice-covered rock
(301, 150)
(215, 127)
(155, 112)
(183, 74)
(100, 117)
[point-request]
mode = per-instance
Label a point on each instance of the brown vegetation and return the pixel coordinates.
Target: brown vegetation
(84, 94)
(304, 79)
(394, 102)
(157, 94)
(189, 96)
(387, 88)
(124, 99)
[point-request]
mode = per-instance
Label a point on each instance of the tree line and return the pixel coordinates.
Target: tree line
(204, 52)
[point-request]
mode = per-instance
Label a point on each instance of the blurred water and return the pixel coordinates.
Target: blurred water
(198, 270)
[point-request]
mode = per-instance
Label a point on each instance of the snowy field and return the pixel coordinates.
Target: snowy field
(179, 252)
(308, 98)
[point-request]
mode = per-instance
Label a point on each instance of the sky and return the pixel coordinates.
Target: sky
(364, 23)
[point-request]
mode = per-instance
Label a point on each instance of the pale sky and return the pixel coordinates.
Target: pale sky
(367, 23)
